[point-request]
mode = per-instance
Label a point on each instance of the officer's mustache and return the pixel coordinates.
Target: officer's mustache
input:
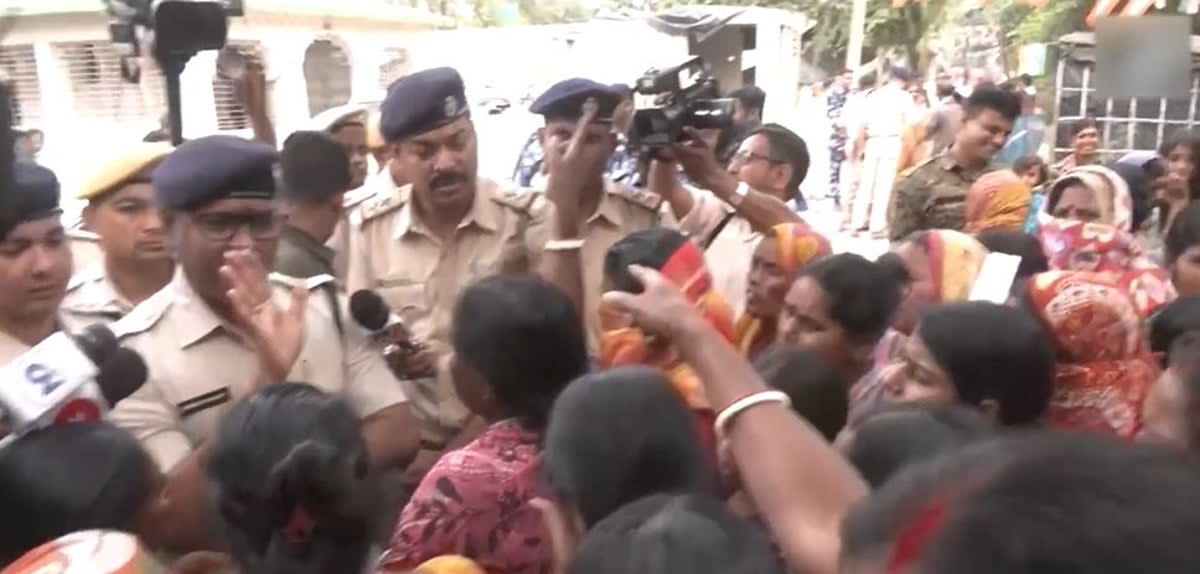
(447, 178)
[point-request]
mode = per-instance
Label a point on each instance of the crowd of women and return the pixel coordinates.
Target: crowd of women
(859, 416)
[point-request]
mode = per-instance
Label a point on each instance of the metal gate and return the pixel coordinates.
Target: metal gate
(1126, 124)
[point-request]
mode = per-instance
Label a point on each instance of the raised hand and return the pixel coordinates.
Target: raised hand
(277, 334)
(660, 308)
(581, 160)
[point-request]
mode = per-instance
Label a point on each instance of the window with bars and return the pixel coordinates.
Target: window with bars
(97, 89)
(326, 75)
(231, 115)
(20, 66)
(394, 66)
(1126, 124)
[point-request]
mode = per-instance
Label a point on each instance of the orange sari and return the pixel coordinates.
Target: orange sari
(795, 246)
(1104, 369)
(622, 343)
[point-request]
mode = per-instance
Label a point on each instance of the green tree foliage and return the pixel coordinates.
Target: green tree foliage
(908, 28)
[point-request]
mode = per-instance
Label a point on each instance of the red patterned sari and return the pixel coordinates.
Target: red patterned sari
(1104, 368)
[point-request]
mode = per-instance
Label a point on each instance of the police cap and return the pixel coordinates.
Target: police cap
(34, 196)
(215, 167)
(422, 102)
(564, 100)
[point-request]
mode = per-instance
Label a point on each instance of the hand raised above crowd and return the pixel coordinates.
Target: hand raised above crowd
(576, 163)
(660, 308)
(276, 333)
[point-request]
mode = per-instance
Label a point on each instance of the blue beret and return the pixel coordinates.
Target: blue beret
(215, 167)
(422, 102)
(34, 195)
(565, 100)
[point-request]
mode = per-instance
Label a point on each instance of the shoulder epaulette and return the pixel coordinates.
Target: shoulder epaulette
(355, 198)
(642, 197)
(380, 204)
(518, 198)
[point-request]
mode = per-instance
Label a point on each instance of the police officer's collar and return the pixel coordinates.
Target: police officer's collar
(197, 319)
(484, 212)
(608, 209)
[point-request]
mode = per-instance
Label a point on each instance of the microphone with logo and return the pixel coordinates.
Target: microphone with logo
(67, 378)
(371, 312)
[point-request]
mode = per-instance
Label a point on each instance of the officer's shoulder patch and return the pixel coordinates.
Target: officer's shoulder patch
(380, 204)
(519, 198)
(644, 198)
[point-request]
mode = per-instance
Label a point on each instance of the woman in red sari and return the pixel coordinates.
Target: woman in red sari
(1104, 369)
(780, 255)
(1096, 247)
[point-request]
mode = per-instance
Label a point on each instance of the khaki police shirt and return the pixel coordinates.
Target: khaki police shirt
(198, 366)
(728, 256)
(932, 196)
(380, 183)
(393, 253)
(91, 298)
(622, 210)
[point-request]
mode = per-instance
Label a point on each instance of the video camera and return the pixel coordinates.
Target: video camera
(685, 96)
(175, 30)
(180, 28)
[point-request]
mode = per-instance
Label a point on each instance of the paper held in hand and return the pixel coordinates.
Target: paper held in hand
(995, 278)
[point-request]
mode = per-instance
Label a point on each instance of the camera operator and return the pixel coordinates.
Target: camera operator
(738, 203)
(591, 210)
(35, 261)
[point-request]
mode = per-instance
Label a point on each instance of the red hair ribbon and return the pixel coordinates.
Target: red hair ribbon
(299, 526)
(915, 536)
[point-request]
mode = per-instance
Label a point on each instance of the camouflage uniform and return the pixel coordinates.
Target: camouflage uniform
(932, 196)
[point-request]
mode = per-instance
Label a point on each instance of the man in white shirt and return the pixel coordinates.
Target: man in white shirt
(887, 112)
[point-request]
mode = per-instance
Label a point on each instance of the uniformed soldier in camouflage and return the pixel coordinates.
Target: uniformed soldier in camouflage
(933, 194)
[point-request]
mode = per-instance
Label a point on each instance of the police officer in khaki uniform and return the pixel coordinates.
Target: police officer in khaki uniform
(419, 245)
(933, 194)
(122, 213)
(35, 262)
(219, 330)
(578, 143)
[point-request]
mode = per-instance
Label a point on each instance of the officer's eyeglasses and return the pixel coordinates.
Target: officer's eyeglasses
(744, 157)
(223, 226)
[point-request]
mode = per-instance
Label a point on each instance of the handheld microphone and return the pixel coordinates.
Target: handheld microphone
(371, 312)
(68, 379)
